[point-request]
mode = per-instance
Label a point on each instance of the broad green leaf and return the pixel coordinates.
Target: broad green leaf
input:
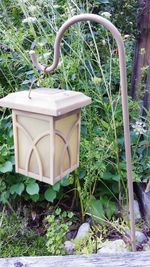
(65, 181)
(20, 189)
(122, 165)
(12, 160)
(114, 188)
(13, 189)
(84, 130)
(3, 150)
(26, 82)
(4, 197)
(32, 188)
(6, 167)
(134, 138)
(97, 211)
(110, 209)
(70, 214)
(58, 211)
(82, 173)
(109, 206)
(29, 72)
(56, 186)
(116, 178)
(35, 197)
(107, 176)
(121, 141)
(17, 188)
(50, 194)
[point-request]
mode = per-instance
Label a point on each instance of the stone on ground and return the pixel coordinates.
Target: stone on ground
(137, 212)
(83, 231)
(140, 237)
(69, 247)
(117, 246)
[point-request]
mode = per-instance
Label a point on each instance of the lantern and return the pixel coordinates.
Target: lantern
(46, 132)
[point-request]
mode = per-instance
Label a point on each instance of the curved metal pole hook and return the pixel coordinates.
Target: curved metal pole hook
(123, 83)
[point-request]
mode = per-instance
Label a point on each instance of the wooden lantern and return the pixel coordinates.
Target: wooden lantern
(46, 132)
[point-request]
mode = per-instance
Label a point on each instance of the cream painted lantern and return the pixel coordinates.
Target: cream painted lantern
(46, 132)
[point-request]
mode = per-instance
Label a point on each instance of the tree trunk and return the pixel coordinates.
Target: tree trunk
(140, 88)
(142, 51)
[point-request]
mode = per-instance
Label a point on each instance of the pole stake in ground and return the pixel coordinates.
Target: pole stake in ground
(123, 83)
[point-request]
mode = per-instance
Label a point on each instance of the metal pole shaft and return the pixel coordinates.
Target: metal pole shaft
(123, 82)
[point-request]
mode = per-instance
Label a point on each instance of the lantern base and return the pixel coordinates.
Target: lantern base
(46, 179)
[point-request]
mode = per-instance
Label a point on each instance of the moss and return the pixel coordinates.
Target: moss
(16, 239)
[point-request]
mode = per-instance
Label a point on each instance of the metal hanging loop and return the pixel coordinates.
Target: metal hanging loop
(123, 83)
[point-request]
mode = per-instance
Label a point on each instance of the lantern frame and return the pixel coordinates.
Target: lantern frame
(46, 131)
(53, 166)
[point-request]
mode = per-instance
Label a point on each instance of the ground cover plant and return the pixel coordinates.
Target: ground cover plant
(89, 63)
(17, 238)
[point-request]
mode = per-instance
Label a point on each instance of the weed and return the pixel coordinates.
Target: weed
(59, 224)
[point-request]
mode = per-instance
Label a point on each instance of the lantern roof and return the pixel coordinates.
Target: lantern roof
(54, 102)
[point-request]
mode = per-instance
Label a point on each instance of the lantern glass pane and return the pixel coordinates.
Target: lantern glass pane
(23, 148)
(33, 144)
(66, 143)
(43, 149)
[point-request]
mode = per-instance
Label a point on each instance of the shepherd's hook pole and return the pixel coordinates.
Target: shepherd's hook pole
(123, 83)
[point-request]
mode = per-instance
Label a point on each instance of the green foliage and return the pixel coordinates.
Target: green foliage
(140, 140)
(86, 245)
(124, 14)
(50, 194)
(29, 189)
(13, 185)
(105, 174)
(59, 224)
(102, 208)
(16, 186)
(16, 239)
(32, 188)
(6, 145)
